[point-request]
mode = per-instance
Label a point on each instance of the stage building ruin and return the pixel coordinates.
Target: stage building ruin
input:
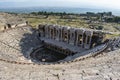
(69, 40)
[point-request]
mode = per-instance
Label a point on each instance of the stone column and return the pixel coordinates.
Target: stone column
(61, 34)
(90, 40)
(46, 32)
(77, 33)
(88, 43)
(82, 45)
(53, 33)
(50, 33)
(86, 39)
(57, 34)
(72, 36)
(67, 36)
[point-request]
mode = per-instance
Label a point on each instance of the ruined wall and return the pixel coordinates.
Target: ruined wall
(11, 21)
(73, 36)
(10, 26)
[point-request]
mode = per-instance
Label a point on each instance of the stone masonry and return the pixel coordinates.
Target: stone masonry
(70, 39)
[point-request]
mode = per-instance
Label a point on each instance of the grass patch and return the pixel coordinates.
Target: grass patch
(77, 22)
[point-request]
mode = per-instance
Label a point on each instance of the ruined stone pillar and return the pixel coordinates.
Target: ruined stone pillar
(72, 36)
(82, 44)
(50, 33)
(60, 37)
(79, 37)
(66, 33)
(76, 41)
(46, 31)
(88, 39)
(57, 32)
(53, 36)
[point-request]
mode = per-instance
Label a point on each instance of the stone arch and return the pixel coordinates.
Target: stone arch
(72, 36)
(65, 34)
(80, 37)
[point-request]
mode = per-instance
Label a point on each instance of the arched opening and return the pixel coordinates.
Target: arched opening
(80, 39)
(94, 41)
(65, 37)
(9, 25)
(5, 27)
(84, 38)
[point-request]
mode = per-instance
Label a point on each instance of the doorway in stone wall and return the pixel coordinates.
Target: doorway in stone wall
(9, 25)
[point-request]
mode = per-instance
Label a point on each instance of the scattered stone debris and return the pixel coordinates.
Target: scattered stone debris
(8, 21)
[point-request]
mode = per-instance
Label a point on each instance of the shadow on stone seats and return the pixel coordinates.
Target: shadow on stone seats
(29, 45)
(28, 42)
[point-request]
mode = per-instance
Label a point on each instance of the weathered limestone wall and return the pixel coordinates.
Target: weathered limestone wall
(73, 36)
(22, 24)
(80, 37)
(88, 38)
(1, 27)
